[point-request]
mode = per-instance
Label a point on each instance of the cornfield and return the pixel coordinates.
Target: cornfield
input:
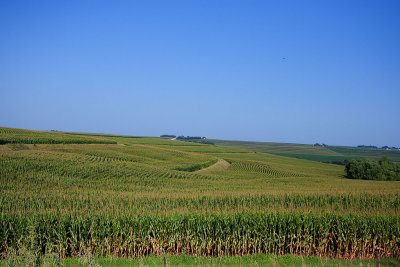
(145, 196)
(240, 234)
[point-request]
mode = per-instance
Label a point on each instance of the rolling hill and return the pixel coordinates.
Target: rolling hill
(123, 196)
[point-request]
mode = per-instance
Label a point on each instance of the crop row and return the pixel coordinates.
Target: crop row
(53, 167)
(240, 234)
(19, 136)
(114, 203)
(29, 140)
(259, 167)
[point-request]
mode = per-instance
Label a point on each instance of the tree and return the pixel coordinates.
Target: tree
(389, 169)
(366, 169)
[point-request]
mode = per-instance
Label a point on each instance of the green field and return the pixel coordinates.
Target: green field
(73, 194)
(311, 152)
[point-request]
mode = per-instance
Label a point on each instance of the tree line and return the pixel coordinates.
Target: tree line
(368, 169)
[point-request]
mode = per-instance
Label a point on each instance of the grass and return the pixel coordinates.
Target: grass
(62, 184)
(219, 166)
(197, 166)
(184, 260)
(253, 260)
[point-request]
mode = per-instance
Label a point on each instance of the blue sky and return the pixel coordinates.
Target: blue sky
(284, 71)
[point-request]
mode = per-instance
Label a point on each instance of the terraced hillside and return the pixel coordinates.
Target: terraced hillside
(128, 196)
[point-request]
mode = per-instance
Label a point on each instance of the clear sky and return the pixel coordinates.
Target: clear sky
(283, 71)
